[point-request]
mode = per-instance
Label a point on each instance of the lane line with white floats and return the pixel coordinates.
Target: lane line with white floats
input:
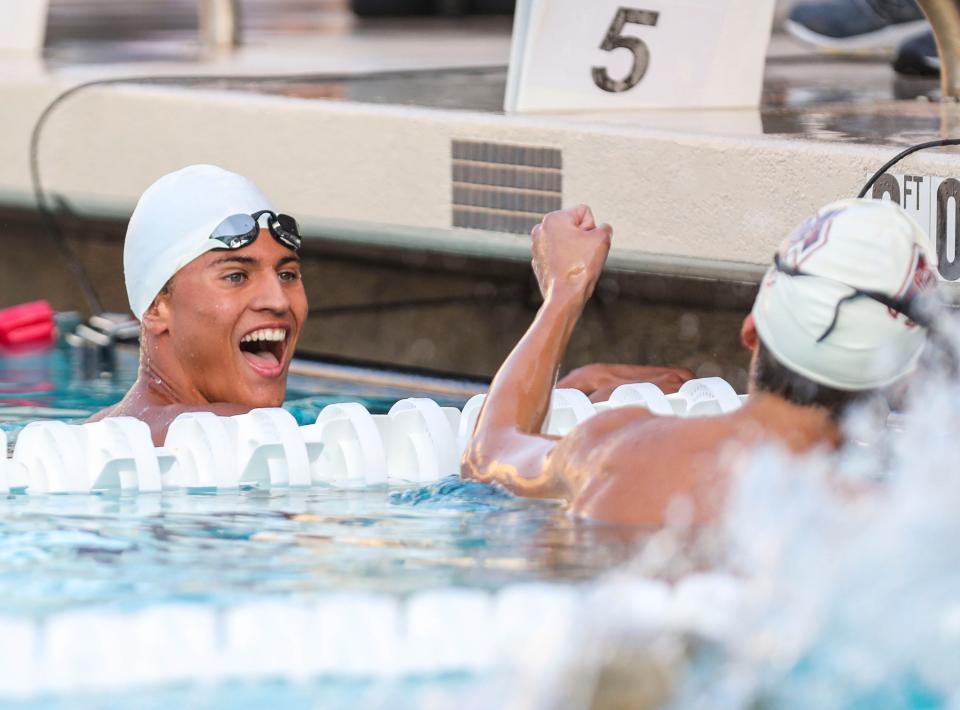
(350, 635)
(417, 441)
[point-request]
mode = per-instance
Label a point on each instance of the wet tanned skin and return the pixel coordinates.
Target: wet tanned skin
(190, 353)
(599, 380)
(626, 465)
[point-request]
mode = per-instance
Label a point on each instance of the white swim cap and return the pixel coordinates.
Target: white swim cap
(870, 245)
(172, 223)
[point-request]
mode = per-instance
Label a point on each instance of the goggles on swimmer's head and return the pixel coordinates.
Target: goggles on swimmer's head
(239, 230)
(909, 304)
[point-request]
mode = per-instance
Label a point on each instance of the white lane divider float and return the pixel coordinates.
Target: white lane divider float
(368, 636)
(352, 446)
(112, 454)
(643, 394)
(120, 454)
(12, 473)
(53, 457)
(568, 408)
(709, 395)
(696, 398)
(417, 441)
(420, 441)
(273, 450)
(206, 457)
(468, 421)
(265, 447)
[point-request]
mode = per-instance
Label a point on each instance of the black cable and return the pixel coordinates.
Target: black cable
(900, 156)
(47, 216)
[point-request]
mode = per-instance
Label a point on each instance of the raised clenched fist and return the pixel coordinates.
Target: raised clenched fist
(569, 251)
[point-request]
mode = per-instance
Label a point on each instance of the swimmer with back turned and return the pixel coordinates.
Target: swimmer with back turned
(838, 318)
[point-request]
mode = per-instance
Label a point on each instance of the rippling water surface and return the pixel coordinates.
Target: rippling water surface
(125, 552)
(58, 551)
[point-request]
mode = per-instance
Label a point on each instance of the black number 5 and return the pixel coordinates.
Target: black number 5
(615, 40)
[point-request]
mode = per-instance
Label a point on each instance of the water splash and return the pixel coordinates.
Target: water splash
(454, 493)
(838, 586)
(853, 588)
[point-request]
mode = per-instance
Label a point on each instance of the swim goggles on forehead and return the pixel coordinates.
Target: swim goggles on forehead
(908, 305)
(239, 230)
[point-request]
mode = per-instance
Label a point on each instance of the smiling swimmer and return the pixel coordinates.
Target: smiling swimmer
(839, 317)
(213, 276)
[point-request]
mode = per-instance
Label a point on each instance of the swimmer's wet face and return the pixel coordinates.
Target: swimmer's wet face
(231, 319)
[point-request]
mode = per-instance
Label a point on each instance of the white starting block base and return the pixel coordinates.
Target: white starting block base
(417, 441)
(23, 25)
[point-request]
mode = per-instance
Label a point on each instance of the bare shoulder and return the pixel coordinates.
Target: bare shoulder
(627, 465)
(632, 468)
(102, 414)
(610, 423)
(172, 411)
(159, 417)
(603, 442)
(616, 427)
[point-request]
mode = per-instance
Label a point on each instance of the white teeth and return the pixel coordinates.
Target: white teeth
(269, 334)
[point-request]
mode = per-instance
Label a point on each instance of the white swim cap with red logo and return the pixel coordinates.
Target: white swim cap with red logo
(851, 245)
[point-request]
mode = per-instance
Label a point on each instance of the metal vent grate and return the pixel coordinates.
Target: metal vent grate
(504, 188)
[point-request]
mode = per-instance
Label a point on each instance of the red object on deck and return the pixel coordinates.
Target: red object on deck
(27, 325)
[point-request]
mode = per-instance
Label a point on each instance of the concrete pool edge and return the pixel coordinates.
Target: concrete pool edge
(356, 166)
(364, 374)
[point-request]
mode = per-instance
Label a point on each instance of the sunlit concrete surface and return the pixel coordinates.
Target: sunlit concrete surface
(93, 38)
(349, 125)
(353, 110)
(827, 97)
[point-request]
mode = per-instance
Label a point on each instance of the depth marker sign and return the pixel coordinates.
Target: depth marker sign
(934, 202)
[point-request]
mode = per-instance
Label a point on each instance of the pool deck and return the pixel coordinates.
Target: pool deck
(352, 123)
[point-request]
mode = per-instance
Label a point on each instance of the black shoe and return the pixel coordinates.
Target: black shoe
(918, 56)
(449, 8)
(856, 24)
(391, 8)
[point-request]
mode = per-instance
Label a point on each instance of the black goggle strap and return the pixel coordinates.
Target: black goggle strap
(836, 314)
(283, 227)
(904, 306)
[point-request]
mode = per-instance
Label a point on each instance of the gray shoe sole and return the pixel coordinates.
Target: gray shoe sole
(888, 38)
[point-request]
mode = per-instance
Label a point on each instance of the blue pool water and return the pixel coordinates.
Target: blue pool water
(127, 552)
(71, 385)
(331, 593)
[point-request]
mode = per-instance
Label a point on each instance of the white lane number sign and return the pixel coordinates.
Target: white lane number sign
(934, 202)
(574, 55)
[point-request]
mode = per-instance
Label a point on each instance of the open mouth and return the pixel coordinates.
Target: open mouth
(264, 349)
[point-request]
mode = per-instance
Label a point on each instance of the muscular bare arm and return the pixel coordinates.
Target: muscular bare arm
(599, 380)
(569, 251)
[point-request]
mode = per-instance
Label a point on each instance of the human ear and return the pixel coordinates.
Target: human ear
(156, 319)
(748, 334)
